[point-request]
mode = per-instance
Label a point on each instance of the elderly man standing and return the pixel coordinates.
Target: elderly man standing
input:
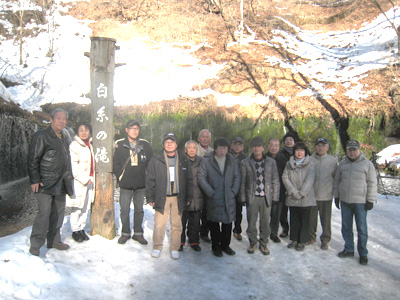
(49, 169)
(131, 157)
(259, 189)
(204, 148)
(355, 191)
(169, 189)
(325, 168)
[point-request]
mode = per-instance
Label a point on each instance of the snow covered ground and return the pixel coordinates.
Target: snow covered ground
(335, 56)
(103, 269)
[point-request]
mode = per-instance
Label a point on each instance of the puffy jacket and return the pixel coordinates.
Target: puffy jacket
(197, 202)
(134, 176)
(299, 183)
(325, 169)
(220, 188)
(156, 182)
(49, 162)
(355, 181)
(81, 159)
(249, 178)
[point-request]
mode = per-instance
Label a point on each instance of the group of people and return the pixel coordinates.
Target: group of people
(203, 190)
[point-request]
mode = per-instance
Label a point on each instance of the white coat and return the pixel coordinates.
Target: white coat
(81, 157)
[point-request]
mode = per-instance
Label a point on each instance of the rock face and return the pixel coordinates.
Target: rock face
(15, 134)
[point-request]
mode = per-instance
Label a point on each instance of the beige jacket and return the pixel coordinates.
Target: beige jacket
(355, 181)
(325, 169)
(80, 160)
(299, 183)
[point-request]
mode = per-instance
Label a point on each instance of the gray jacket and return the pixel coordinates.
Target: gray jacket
(355, 181)
(249, 178)
(325, 169)
(299, 183)
(219, 188)
(197, 202)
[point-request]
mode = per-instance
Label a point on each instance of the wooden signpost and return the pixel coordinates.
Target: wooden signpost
(102, 66)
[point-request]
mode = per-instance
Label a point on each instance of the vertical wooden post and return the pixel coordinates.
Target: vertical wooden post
(102, 65)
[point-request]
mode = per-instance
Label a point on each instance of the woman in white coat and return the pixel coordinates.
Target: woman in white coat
(82, 160)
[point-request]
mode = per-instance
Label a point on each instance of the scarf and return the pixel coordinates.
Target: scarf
(172, 186)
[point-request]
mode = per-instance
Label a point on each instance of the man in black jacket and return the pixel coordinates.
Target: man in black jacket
(131, 158)
(169, 189)
(50, 175)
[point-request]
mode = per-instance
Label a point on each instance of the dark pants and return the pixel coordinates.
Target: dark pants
(191, 221)
(220, 235)
(49, 219)
(299, 223)
(205, 227)
(275, 215)
(238, 222)
(284, 218)
(125, 200)
(325, 212)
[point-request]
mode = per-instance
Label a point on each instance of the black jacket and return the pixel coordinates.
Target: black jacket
(49, 162)
(156, 182)
(198, 198)
(134, 176)
(281, 159)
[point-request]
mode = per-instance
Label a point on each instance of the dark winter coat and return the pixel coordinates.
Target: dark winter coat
(198, 198)
(281, 160)
(156, 182)
(49, 162)
(134, 176)
(219, 188)
(249, 178)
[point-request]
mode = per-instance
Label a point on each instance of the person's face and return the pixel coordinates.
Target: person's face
(289, 142)
(170, 146)
(133, 132)
(205, 139)
(321, 148)
(191, 150)
(237, 147)
(353, 153)
(221, 151)
(59, 121)
(258, 151)
(273, 147)
(83, 133)
(299, 153)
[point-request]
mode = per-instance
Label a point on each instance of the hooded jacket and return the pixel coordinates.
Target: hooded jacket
(299, 183)
(355, 181)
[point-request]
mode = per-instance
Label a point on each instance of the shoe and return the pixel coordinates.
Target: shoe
(174, 254)
(84, 235)
(284, 234)
(293, 244)
(59, 246)
(229, 251)
(77, 236)
(34, 251)
(300, 246)
(196, 248)
(310, 242)
(140, 239)
(275, 239)
(363, 260)
(345, 253)
(180, 248)
(264, 250)
(324, 246)
(238, 236)
(155, 253)
(123, 238)
(205, 238)
(217, 252)
(251, 248)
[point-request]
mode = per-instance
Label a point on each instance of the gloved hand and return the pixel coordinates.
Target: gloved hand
(296, 195)
(369, 205)
(337, 203)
